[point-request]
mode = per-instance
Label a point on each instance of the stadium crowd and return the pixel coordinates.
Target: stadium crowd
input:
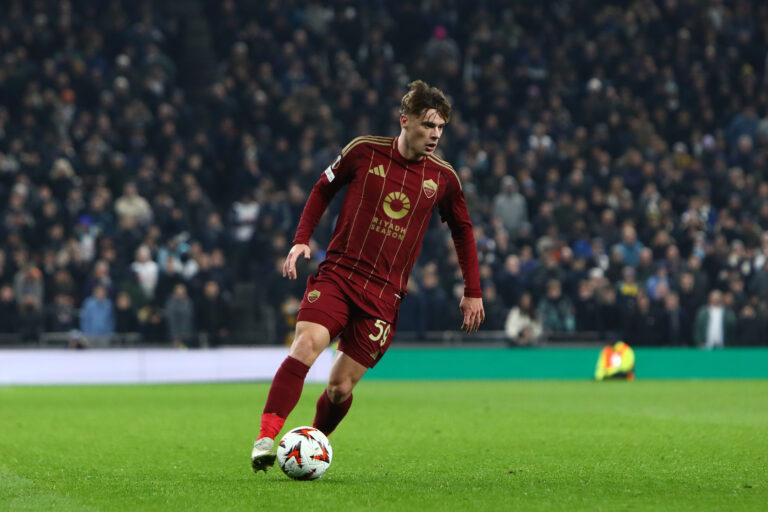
(612, 156)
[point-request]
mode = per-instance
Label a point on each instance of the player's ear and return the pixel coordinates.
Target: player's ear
(403, 120)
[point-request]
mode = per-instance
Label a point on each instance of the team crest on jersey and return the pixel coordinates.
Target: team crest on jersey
(429, 187)
(313, 295)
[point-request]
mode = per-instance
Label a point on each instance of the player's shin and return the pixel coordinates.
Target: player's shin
(284, 394)
(328, 415)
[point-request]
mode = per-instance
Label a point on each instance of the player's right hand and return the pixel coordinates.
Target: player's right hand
(474, 313)
(289, 267)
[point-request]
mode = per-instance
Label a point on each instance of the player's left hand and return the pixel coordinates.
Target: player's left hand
(474, 313)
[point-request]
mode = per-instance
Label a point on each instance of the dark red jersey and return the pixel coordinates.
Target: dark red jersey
(385, 214)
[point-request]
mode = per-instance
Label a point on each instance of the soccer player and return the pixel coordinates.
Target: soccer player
(394, 184)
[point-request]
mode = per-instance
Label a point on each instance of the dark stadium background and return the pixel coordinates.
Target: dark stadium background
(576, 124)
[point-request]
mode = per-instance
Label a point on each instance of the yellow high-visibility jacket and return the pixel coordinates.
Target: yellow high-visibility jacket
(616, 362)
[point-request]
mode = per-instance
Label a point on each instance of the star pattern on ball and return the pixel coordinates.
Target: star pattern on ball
(306, 432)
(322, 456)
(295, 453)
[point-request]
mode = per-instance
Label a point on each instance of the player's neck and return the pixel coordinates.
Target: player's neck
(407, 152)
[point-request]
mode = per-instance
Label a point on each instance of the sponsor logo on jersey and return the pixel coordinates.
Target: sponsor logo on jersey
(378, 171)
(429, 187)
(329, 170)
(396, 205)
(313, 295)
(388, 228)
(374, 355)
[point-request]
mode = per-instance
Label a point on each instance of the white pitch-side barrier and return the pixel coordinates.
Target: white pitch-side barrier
(142, 366)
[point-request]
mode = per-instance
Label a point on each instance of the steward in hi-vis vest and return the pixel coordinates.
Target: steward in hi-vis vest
(616, 362)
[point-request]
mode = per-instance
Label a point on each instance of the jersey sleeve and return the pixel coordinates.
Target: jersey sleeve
(333, 179)
(453, 211)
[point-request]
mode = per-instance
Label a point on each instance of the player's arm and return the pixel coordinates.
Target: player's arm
(453, 211)
(335, 176)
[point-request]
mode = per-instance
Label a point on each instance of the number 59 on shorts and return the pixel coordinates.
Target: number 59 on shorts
(382, 334)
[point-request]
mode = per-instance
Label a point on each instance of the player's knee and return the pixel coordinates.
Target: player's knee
(306, 347)
(339, 390)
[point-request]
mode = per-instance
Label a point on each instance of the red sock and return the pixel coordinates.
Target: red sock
(270, 425)
(283, 396)
(328, 414)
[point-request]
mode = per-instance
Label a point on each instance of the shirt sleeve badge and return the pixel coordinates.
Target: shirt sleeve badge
(329, 170)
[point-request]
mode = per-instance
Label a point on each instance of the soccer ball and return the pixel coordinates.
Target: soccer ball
(304, 453)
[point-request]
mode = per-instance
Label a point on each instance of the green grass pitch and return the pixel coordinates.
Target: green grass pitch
(453, 445)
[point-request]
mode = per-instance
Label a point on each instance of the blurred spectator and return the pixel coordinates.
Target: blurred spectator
(628, 288)
(213, 235)
(760, 282)
(610, 315)
(412, 316)
(715, 325)
(31, 320)
(630, 246)
(97, 317)
(510, 206)
(645, 268)
(213, 315)
(495, 312)
(643, 326)
(5, 268)
(675, 323)
(690, 294)
(170, 278)
(132, 205)
(522, 326)
(153, 325)
(62, 283)
(556, 310)
(751, 328)
(180, 314)
(126, 319)
(586, 307)
(100, 276)
(243, 218)
(28, 286)
(442, 53)
(435, 299)
(9, 310)
(130, 285)
(510, 281)
(146, 271)
(220, 272)
(547, 270)
(657, 284)
(62, 316)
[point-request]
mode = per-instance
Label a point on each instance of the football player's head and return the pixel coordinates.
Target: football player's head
(424, 111)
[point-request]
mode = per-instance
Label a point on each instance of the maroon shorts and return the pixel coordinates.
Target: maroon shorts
(364, 324)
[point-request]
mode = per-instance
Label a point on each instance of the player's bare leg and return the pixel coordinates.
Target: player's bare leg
(284, 393)
(336, 398)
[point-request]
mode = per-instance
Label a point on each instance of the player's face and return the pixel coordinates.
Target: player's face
(422, 133)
